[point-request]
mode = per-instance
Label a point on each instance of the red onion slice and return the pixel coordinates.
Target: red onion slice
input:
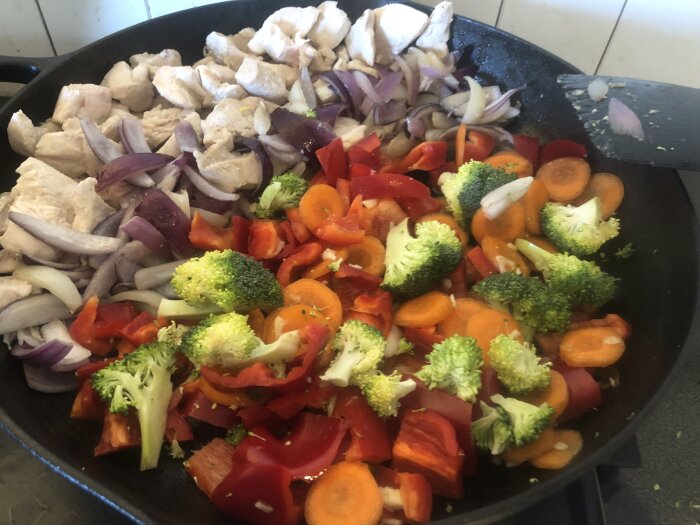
(53, 264)
(386, 87)
(53, 281)
(329, 113)
(498, 107)
(147, 278)
(412, 79)
(356, 95)
(388, 112)
(366, 86)
(306, 134)
(158, 209)
(106, 275)
(207, 187)
(307, 87)
(47, 354)
(44, 380)
(624, 121)
(100, 145)
(65, 239)
(77, 355)
(256, 147)
(280, 150)
(140, 229)
(334, 82)
(128, 165)
(132, 135)
(31, 311)
(414, 122)
(186, 137)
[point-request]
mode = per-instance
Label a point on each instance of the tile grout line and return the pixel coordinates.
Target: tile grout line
(46, 27)
(612, 33)
(498, 16)
(148, 9)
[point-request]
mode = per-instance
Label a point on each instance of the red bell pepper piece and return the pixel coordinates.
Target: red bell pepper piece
(197, 406)
(132, 331)
(423, 339)
(85, 371)
(319, 178)
(313, 337)
(364, 317)
(378, 303)
(349, 282)
(264, 240)
(360, 170)
(306, 255)
(306, 451)
(415, 491)
(118, 432)
(416, 208)
(289, 405)
(82, 329)
(259, 494)
(210, 465)
(458, 280)
(370, 143)
(584, 391)
(260, 416)
(357, 155)
(342, 186)
(290, 241)
(528, 147)
(561, 148)
(177, 428)
(369, 436)
(481, 263)
(425, 156)
(450, 167)
(490, 386)
(111, 318)
(298, 229)
(333, 161)
(240, 227)
(340, 231)
(427, 445)
(88, 404)
(389, 185)
(206, 236)
(478, 146)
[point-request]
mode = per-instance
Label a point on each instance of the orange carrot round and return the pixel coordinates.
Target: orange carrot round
(346, 494)
(318, 204)
(534, 200)
(445, 218)
(608, 188)
(256, 320)
(287, 318)
(369, 255)
(456, 322)
(544, 443)
(594, 346)
(567, 445)
(503, 257)
(511, 162)
(508, 226)
(556, 395)
(487, 324)
(565, 178)
(228, 399)
(426, 310)
(313, 293)
(460, 143)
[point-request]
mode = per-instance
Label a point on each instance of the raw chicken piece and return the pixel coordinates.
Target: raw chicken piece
(167, 57)
(229, 50)
(293, 50)
(259, 79)
(230, 117)
(88, 206)
(83, 101)
(395, 27)
(158, 124)
(324, 93)
(131, 87)
(360, 39)
(68, 151)
(331, 27)
(171, 147)
(220, 82)
(324, 60)
(227, 170)
(22, 134)
(287, 73)
(181, 86)
(349, 130)
(12, 289)
(293, 21)
(5, 203)
(110, 127)
(10, 261)
(435, 36)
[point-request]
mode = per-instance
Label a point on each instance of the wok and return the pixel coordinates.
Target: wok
(657, 291)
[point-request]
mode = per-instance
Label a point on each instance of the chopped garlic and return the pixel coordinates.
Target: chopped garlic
(264, 507)
(560, 445)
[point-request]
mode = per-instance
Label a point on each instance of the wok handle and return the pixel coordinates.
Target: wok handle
(23, 70)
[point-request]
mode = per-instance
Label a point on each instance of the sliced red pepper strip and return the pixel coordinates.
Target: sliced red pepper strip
(85, 371)
(290, 405)
(210, 465)
(261, 416)
(313, 337)
(111, 318)
(423, 339)
(240, 227)
(340, 231)
(333, 161)
(342, 186)
(177, 428)
(458, 280)
(490, 386)
(425, 156)
(82, 329)
(358, 155)
(561, 148)
(584, 391)
(349, 282)
(449, 167)
(300, 232)
(306, 255)
(377, 303)
(360, 170)
(416, 208)
(319, 178)
(118, 432)
(264, 241)
(369, 435)
(416, 497)
(478, 146)
(364, 317)
(370, 143)
(206, 236)
(88, 404)
(481, 263)
(129, 331)
(528, 147)
(389, 185)
(198, 406)
(290, 241)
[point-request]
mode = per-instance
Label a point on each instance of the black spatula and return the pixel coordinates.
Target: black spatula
(670, 117)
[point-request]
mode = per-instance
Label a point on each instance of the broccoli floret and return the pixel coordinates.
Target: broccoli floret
(172, 334)
(283, 192)
(359, 350)
(583, 282)
(454, 366)
(405, 347)
(526, 421)
(578, 230)
(626, 251)
(141, 381)
(517, 365)
(227, 341)
(415, 264)
(383, 392)
(465, 189)
(533, 304)
(229, 280)
(492, 430)
(235, 434)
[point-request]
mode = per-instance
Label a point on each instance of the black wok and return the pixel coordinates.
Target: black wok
(657, 288)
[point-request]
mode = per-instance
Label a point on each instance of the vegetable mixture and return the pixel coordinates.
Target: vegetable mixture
(320, 241)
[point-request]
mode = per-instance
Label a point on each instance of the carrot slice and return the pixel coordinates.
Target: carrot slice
(456, 322)
(608, 188)
(556, 395)
(234, 400)
(487, 324)
(460, 143)
(568, 444)
(313, 293)
(369, 255)
(594, 346)
(508, 226)
(346, 494)
(320, 269)
(426, 310)
(511, 162)
(256, 320)
(504, 257)
(287, 318)
(565, 178)
(445, 218)
(318, 204)
(534, 200)
(544, 443)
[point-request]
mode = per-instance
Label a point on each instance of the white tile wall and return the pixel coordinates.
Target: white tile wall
(21, 30)
(163, 7)
(485, 11)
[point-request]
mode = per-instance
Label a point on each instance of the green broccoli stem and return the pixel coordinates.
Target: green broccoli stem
(179, 309)
(539, 256)
(153, 415)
